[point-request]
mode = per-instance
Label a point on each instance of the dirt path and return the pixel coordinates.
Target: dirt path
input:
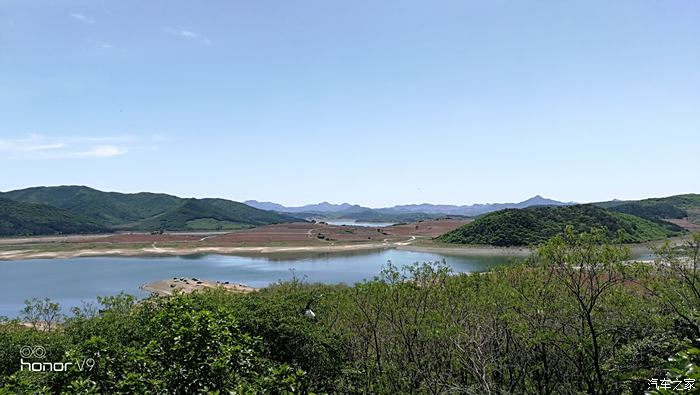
(407, 242)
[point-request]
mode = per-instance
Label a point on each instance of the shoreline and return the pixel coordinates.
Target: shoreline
(481, 250)
(48, 248)
(169, 287)
(14, 255)
(165, 251)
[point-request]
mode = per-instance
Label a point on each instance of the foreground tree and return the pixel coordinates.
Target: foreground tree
(42, 314)
(677, 281)
(589, 268)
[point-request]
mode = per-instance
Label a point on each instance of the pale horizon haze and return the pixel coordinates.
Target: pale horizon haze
(366, 102)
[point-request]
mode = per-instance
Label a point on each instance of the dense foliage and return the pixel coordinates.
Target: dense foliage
(110, 208)
(675, 207)
(687, 201)
(655, 211)
(24, 219)
(532, 226)
(147, 211)
(575, 318)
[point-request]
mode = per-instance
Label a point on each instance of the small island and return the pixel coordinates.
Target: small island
(188, 285)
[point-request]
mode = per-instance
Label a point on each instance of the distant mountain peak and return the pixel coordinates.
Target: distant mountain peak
(538, 200)
(322, 207)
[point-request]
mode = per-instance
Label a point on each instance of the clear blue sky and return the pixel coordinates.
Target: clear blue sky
(371, 102)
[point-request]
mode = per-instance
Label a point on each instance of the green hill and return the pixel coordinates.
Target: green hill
(530, 226)
(25, 219)
(146, 211)
(672, 207)
(108, 208)
(212, 214)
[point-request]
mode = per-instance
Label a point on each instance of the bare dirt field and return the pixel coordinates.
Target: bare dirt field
(291, 237)
(319, 233)
(685, 223)
(292, 232)
(428, 228)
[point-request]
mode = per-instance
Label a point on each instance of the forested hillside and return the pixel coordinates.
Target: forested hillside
(25, 219)
(144, 211)
(108, 208)
(671, 207)
(211, 214)
(530, 226)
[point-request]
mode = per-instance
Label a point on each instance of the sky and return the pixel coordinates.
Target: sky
(369, 102)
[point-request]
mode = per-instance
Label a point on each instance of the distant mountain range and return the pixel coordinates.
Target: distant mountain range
(428, 210)
(478, 209)
(323, 207)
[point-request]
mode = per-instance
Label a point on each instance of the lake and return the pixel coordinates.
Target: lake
(350, 222)
(70, 281)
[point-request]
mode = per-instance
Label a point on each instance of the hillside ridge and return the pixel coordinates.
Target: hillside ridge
(145, 210)
(532, 226)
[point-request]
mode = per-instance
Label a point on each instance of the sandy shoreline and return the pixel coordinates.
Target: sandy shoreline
(154, 251)
(158, 251)
(469, 250)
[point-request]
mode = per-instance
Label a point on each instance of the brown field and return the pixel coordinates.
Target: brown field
(431, 228)
(143, 238)
(685, 223)
(290, 237)
(323, 234)
(293, 233)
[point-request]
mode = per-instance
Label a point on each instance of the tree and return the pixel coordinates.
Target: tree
(677, 271)
(42, 314)
(589, 267)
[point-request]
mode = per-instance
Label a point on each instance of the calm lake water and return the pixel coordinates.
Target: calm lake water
(70, 281)
(350, 222)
